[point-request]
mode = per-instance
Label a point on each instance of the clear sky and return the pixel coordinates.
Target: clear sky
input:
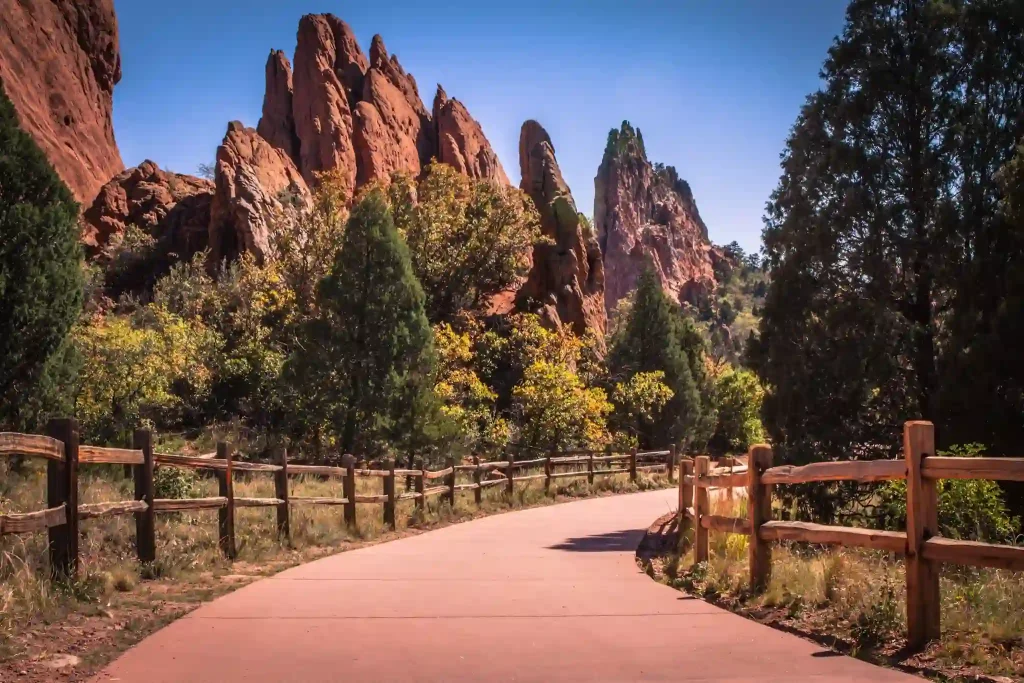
(714, 85)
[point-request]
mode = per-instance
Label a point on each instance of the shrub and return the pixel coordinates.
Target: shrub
(968, 508)
(174, 482)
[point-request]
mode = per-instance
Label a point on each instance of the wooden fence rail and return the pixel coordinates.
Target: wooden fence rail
(921, 545)
(64, 455)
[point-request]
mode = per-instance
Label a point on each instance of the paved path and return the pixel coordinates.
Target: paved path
(548, 594)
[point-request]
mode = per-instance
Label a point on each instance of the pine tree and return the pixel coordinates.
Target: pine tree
(370, 355)
(40, 276)
(657, 337)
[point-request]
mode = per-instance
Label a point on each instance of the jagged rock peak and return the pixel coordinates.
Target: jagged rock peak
(250, 177)
(566, 280)
(646, 214)
(59, 63)
(364, 118)
(277, 125)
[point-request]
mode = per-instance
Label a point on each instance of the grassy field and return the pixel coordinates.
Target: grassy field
(115, 602)
(854, 601)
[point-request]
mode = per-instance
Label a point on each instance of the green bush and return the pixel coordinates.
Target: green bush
(175, 482)
(968, 508)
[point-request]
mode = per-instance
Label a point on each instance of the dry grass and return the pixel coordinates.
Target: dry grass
(190, 566)
(855, 600)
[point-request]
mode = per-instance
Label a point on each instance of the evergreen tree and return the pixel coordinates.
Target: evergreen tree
(657, 337)
(40, 277)
(887, 251)
(369, 358)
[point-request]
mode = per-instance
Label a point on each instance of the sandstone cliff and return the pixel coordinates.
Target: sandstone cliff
(645, 213)
(171, 207)
(566, 282)
(251, 177)
(59, 62)
(363, 117)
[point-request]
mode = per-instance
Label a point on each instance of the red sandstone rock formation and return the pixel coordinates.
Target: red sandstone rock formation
(59, 62)
(251, 176)
(172, 207)
(647, 214)
(363, 117)
(566, 282)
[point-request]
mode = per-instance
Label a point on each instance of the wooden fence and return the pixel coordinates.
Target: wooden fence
(924, 549)
(61, 448)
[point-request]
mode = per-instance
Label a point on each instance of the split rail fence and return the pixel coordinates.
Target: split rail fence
(924, 548)
(64, 455)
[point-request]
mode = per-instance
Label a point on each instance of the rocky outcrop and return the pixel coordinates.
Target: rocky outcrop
(59, 62)
(171, 207)
(277, 125)
(566, 281)
(644, 214)
(252, 178)
(361, 117)
(461, 141)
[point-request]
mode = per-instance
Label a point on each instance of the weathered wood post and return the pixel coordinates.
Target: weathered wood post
(759, 508)
(389, 491)
(672, 461)
(348, 486)
(923, 618)
(226, 514)
(284, 527)
(145, 521)
(547, 472)
(590, 464)
(450, 480)
(478, 492)
(62, 489)
(510, 485)
(420, 483)
(632, 464)
(701, 508)
(685, 492)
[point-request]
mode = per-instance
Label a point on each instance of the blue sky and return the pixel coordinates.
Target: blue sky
(714, 85)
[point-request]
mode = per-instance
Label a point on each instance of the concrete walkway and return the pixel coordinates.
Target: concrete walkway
(548, 594)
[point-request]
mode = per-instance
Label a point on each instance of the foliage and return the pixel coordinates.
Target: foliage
(658, 338)
(468, 239)
(888, 254)
(175, 482)
(368, 354)
(639, 401)
(556, 410)
(466, 401)
(738, 398)
(968, 508)
(131, 368)
(40, 276)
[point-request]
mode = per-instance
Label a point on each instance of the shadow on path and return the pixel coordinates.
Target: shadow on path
(611, 542)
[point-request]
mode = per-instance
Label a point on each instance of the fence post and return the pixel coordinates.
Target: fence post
(632, 465)
(284, 527)
(590, 464)
(420, 484)
(145, 521)
(685, 491)
(701, 508)
(450, 462)
(226, 514)
(62, 489)
(672, 460)
(389, 491)
(511, 480)
(759, 508)
(547, 472)
(478, 492)
(923, 619)
(348, 487)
